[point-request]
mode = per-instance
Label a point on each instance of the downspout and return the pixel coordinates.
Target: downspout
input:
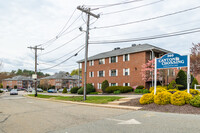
(152, 57)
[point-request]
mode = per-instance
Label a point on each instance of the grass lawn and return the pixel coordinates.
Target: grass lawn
(90, 99)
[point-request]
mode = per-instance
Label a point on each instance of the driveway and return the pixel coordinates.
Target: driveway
(19, 114)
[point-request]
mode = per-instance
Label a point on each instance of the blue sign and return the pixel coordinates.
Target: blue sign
(172, 60)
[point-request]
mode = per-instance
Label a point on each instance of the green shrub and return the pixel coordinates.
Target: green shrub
(180, 98)
(105, 84)
(140, 87)
(89, 88)
(94, 93)
(15, 87)
(74, 90)
(145, 91)
(195, 101)
(147, 98)
(1, 91)
(123, 89)
(181, 79)
(64, 90)
(172, 85)
(194, 82)
(117, 92)
(138, 91)
(194, 92)
(162, 98)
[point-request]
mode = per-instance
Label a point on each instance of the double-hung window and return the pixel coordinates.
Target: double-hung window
(126, 71)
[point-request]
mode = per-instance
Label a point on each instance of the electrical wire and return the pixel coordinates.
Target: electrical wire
(62, 56)
(180, 24)
(128, 9)
(111, 5)
(148, 19)
(63, 44)
(63, 61)
(67, 22)
(189, 31)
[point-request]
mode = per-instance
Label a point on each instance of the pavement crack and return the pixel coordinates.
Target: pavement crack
(5, 119)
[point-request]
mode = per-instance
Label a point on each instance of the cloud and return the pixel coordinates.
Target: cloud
(29, 23)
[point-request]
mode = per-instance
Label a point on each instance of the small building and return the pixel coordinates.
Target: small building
(19, 81)
(60, 80)
(121, 67)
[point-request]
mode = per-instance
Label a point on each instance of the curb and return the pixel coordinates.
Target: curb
(89, 104)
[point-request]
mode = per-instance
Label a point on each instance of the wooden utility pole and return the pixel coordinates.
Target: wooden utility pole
(36, 48)
(87, 11)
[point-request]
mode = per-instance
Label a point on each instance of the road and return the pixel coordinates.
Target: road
(23, 115)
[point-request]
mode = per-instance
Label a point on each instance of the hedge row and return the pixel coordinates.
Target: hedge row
(122, 89)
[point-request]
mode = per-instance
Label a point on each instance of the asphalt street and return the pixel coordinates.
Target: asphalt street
(23, 115)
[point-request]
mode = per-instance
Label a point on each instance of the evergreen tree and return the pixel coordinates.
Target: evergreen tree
(194, 82)
(105, 84)
(182, 79)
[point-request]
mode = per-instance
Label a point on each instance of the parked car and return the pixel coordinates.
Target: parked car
(39, 90)
(51, 91)
(60, 90)
(5, 90)
(13, 92)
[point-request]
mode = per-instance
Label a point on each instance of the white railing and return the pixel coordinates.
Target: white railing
(195, 86)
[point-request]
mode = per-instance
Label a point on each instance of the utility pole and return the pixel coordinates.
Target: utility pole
(36, 48)
(87, 11)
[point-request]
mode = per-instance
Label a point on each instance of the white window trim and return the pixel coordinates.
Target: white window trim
(128, 57)
(103, 73)
(109, 59)
(116, 58)
(116, 72)
(104, 61)
(97, 73)
(110, 73)
(89, 74)
(116, 84)
(128, 71)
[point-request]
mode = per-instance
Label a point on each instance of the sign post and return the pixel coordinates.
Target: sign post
(172, 60)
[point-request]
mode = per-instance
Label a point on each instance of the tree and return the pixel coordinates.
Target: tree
(75, 72)
(64, 90)
(15, 87)
(194, 82)
(195, 59)
(172, 85)
(147, 71)
(105, 84)
(182, 79)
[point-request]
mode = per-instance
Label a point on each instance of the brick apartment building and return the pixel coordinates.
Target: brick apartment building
(121, 67)
(60, 80)
(19, 81)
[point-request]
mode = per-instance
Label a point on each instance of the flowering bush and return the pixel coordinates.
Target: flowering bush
(147, 98)
(162, 98)
(158, 89)
(195, 101)
(180, 98)
(193, 91)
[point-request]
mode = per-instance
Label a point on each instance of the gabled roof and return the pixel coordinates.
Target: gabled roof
(61, 76)
(18, 78)
(128, 50)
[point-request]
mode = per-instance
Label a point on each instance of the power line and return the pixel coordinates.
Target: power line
(148, 19)
(67, 22)
(119, 11)
(62, 56)
(62, 44)
(180, 24)
(189, 31)
(62, 61)
(110, 5)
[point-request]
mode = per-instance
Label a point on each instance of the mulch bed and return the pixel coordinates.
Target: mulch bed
(185, 109)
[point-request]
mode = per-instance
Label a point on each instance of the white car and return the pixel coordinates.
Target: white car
(13, 92)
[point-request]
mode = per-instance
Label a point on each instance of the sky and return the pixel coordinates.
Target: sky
(34, 22)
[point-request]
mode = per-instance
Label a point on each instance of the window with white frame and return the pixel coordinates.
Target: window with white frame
(101, 61)
(91, 74)
(113, 84)
(126, 84)
(126, 57)
(126, 71)
(99, 85)
(113, 59)
(101, 73)
(113, 72)
(91, 63)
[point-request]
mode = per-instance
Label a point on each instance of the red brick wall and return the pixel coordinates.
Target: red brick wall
(134, 64)
(198, 78)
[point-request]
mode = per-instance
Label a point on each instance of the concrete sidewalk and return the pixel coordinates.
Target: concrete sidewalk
(121, 95)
